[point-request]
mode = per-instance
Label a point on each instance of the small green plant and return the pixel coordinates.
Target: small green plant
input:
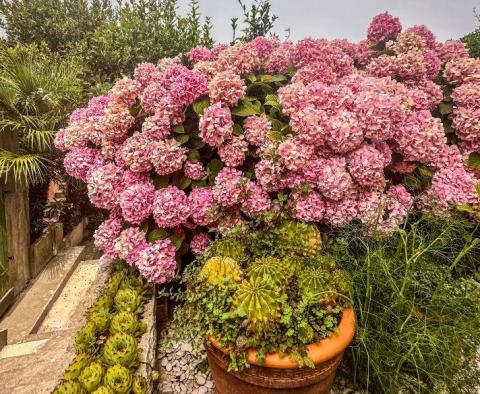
(91, 376)
(128, 323)
(100, 319)
(140, 385)
(119, 379)
(121, 349)
(232, 248)
(128, 300)
(70, 387)
(77, 366)
(85, 339)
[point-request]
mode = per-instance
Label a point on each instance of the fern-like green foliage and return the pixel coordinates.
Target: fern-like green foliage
(37, 92)
(417, 303)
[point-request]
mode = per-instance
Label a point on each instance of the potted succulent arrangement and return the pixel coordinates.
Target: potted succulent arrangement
(273, 311)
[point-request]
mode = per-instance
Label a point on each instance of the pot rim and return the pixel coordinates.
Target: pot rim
(318, 352)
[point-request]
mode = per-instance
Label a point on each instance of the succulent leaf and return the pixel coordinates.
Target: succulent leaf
(232, 248)
(303, 239)
(140, 385)
(70, 387)
(100, 319)
(85, 339)
(269, 268)
(103, 390)
(128, 323)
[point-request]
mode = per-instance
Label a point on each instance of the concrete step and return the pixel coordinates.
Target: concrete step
(31, 308)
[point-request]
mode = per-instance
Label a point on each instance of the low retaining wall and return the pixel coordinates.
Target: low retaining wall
(50, 243)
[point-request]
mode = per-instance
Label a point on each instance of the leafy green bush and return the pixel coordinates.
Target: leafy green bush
(416, 300)
(38, 90)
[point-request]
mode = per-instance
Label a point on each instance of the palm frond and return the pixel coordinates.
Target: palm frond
(26, 169)
(39, 140)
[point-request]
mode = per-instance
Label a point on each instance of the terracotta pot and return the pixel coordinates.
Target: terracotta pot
(281, 374)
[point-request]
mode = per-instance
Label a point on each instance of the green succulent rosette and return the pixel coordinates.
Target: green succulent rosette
(128, 323)
(77, 366)
(100, 319)
(103, 390)
(128, 300)
(119, 379)
(121, 349)
(91, 376)
(140, 385)
(70, 387)
(85, 339)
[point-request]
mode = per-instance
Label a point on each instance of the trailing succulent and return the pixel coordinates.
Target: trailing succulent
(282, 295)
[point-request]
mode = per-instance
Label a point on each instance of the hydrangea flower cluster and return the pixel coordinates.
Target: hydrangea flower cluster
(317, 130)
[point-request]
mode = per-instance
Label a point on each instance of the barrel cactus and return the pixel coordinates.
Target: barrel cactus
(91, 376)
(121, 349)
(128, 300)
(127, 323)
(103, 390)
(140, 385)
(218, 268)
(70, 387)
(268, 268)
(257, 299)
(232, 248)
(77, 366)
(85, 339)
(299, 238)
(315, 283)
(119, 379)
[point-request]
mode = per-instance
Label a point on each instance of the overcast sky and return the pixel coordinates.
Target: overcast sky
(349, 18)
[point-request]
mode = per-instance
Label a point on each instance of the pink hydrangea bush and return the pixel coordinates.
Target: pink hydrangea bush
(322, 131)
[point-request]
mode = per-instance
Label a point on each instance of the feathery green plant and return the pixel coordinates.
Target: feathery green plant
(417, 305)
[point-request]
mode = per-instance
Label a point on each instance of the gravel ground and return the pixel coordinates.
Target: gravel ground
(181, 372)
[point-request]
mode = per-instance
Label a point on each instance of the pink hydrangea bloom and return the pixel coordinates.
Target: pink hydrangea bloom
(157, 126)
(200, 54)
(125, 91)
(257, 200)
(104, 186)
(451, 49)
(343, 132)
(216, 125)
(202, 206)
(187, 87)
(294, 153)
(409, 41)
(170, 207)
(464, 69)
(167, 156)
(129, 244)
(366, 165)
(136, 202)
(466, 122)
(309, 123)
(426, 34)
(229, 188)
(309, 207)
(146, 73)
(256, 129)
(270, 174)
(156, 262)
(194, 170)
(226, 88)
(136, 152)
(384, 27)
(341, 212)
(232, 152)
(280, 60)
(200, 243)
(80, 163)
(331, 177)
(107, 233)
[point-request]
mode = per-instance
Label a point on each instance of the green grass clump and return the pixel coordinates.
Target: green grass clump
(417, 306)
